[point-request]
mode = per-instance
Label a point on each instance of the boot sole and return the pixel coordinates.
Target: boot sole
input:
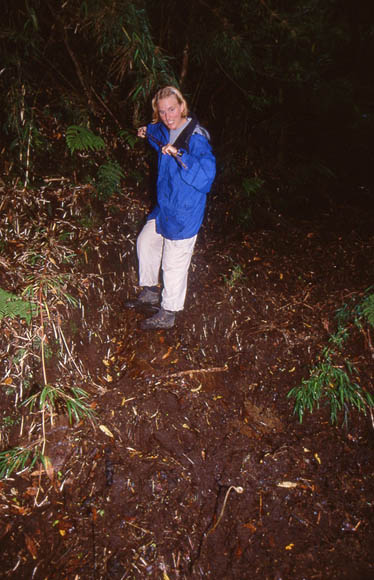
(144, 307)
(145, 326)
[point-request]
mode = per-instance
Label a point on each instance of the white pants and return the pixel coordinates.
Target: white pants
(173, 256)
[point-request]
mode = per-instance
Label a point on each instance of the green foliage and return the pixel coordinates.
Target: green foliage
(235, 277)
(47, 287)
(252, 190)
(109, 178)
(82, 139)
(129, 138)
(333, 384)
(257, 80)
(245, 195)
(109, 174)
(17, 459)
(12, 306)
(9, 421)
(367, 309)
(252, 186)
(334, 380)
(359, 311)
(52, 399)
(136, 51)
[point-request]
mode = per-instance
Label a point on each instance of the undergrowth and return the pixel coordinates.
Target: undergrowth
(334, 380)
(109, 173)
(32, 326)
(12, 306)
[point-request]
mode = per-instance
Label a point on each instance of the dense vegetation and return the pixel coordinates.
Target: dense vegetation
(285, 87)
(120, 445)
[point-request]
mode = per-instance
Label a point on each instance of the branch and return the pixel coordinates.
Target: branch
(78, 71)
(197, 371)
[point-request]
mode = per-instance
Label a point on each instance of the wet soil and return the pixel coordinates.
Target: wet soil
(197, 467)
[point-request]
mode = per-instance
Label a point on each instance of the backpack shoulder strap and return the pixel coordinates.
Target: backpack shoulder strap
(183, 139)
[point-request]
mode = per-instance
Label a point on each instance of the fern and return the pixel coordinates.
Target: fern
(109, 177)
(359, 313)
(129, 138)
(82, 139)
(12, 306)
(367, 307)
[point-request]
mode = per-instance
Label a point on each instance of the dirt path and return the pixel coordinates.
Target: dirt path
(198, 468)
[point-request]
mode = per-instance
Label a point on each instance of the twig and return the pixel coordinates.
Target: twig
(371, 416)
(238, 489)
(106, 108)
(139, 528)
(69, 353)
(368, 340)
(175, 155)
(206, 534)
(196, 371)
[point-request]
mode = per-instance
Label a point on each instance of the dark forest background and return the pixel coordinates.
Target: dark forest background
(285, 88)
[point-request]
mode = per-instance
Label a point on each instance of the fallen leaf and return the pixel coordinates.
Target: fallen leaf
(250, 527)
(106, 431)
(31, 491)
(23, 511)
(8, 527)
(31, 546)
(49, 468)
(167, 353)
(289, 547)
(287, 484)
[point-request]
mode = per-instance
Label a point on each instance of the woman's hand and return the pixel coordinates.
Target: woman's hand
(169, 150)
(142, 132)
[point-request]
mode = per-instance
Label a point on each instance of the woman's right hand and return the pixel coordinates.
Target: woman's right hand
(142, 132)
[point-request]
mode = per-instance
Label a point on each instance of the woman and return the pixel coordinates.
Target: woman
(186, 170)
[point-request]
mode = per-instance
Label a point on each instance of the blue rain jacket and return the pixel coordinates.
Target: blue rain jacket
(181, 193)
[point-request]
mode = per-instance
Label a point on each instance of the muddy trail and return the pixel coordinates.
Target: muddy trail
(197, 466)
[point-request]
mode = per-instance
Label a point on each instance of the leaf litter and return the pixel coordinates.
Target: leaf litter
(189, 416)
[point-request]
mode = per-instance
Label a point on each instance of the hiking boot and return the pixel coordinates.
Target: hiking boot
(162, 319)
(148, 296)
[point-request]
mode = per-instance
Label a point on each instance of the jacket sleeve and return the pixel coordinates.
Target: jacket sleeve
(200, 164)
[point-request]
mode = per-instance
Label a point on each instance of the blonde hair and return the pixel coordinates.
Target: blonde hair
(163, 94)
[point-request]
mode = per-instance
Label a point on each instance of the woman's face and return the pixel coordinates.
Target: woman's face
(171, 112)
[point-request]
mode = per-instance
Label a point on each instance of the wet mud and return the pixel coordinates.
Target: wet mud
(197, 467)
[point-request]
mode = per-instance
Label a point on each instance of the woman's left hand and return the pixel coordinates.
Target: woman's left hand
(169, 150)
